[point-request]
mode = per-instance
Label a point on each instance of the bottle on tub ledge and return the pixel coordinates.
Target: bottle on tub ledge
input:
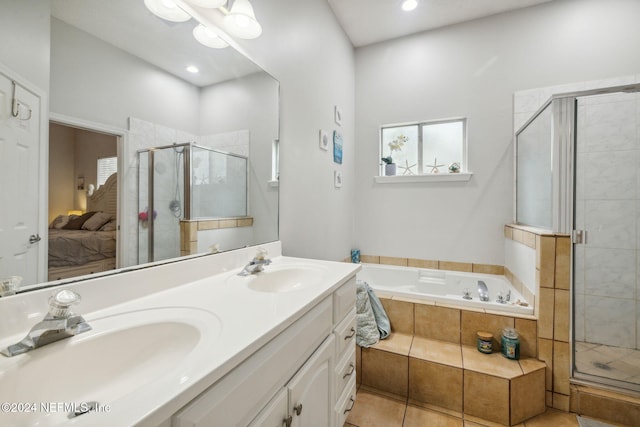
(510, 344)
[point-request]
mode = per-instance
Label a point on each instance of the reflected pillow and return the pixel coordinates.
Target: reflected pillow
(75, 223)
(59, 222)
(96, 221)
(109, 226)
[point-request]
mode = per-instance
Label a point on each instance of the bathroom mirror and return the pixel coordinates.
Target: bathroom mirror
(119, 88)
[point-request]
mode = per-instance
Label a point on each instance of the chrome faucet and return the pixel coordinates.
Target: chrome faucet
(58, 324)
(256, 265)
(483, 291)
(503, 299)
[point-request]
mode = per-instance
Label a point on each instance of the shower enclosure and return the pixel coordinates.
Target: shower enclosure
(184, 182)
(578, 172)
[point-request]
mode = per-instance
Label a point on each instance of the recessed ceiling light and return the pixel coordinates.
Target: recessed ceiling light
(192, 69)
(408, 5)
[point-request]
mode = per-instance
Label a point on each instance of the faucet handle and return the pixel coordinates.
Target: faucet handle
(60, 302)
(9, 285)
(261, 254)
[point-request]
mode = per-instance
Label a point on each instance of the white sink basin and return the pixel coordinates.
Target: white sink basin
(120, 355)
(282, 278)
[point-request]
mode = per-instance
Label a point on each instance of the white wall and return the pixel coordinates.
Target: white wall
(305, 49)
(472, 70)
(98, 82)
(24, 31)
(248, 103)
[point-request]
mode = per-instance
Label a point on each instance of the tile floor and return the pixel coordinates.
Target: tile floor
(617, 363)
(377, 410)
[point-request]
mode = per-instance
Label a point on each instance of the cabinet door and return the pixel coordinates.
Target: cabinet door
(311, 389)
(275, 414)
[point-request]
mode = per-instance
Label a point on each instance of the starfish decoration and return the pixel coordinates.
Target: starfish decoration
(434, 167)
(407, 168)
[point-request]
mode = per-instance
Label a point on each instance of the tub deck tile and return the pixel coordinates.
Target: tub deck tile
(396, 342)
(490, 364)
(442, 352)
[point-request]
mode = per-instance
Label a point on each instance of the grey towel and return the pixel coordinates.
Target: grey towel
(382, 320)
(372, 320)
(367, 333)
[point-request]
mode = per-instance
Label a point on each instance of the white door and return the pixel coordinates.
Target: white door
(21, 254)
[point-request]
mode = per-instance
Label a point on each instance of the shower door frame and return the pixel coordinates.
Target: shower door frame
(579, 237)
(563, 200)
(187, 183)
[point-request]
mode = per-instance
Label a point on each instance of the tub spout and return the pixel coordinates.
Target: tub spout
(483, 291)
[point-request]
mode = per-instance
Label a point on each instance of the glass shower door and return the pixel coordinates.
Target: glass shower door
(607, 216)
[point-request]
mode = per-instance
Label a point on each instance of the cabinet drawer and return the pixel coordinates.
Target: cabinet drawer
(345, 403)
(344, 299)
(345, 334)
(345, 370)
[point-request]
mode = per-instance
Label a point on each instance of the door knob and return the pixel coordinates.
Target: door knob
(34, 238)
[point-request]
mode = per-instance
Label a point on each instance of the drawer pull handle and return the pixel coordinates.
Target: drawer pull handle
(348, 374)
(287, 421)
(298, 409)
(353, 332)
(353, 402)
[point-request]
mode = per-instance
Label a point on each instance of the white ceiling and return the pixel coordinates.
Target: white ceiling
(128, 25)
(372, 21)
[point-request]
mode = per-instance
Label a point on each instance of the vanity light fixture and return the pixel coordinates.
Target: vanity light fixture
(208, 37)
(167, 9)
(409, 5)
(241, 20)
(209, 4)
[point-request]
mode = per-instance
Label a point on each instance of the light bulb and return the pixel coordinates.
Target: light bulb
(208, 37)
(241, 21)
(210, 4)
(408, 5)
(167, 9)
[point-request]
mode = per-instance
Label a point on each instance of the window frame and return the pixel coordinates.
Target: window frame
(420, 124)
(98, 174)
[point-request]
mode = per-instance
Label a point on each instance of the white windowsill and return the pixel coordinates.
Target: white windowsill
(428, 177)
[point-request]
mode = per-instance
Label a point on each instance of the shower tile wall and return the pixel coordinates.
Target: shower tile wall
(143, 134)
(607, 303)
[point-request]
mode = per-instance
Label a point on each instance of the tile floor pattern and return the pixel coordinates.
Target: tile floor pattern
(617, 363)
(375, 410)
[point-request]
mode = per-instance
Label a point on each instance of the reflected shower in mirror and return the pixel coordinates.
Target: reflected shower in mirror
(118, 73)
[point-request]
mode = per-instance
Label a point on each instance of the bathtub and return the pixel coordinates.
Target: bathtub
(442, 286)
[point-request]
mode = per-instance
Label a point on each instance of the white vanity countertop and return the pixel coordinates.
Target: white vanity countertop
(248, 319)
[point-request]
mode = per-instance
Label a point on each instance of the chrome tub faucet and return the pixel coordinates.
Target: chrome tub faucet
(58, 324)
(483, 291)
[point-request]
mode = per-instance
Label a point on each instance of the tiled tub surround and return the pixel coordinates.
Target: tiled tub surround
(250, 321)
(552, 265)
(444, 287)
(431, 360)
(196, 235)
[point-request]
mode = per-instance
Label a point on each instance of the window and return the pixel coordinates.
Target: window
(425, 147)
(107, 166)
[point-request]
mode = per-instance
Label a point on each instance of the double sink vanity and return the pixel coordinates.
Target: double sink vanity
(190, 343)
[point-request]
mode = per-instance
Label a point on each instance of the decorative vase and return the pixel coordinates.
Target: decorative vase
(390, 169)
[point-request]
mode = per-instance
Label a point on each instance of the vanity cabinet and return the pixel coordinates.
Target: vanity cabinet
(306, 401)
(303, 377)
